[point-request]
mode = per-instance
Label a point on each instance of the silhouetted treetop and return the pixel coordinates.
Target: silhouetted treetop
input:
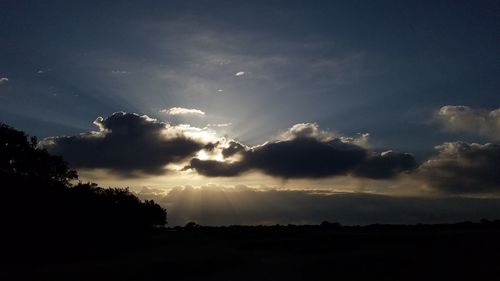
(21, 157)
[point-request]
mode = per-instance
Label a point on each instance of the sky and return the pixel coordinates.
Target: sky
(310, 110)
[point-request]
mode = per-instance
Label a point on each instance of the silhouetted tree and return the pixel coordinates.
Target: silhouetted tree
(41, 208)
(191, 225)
(20, 158)
(330, 226)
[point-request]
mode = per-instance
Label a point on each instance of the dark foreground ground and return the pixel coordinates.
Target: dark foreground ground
(458, 252)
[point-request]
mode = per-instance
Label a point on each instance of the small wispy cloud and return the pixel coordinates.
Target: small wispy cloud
(182, 111)
(4, 80)
(220, 125)
(241, 73)
(43, 71)
(119, 72)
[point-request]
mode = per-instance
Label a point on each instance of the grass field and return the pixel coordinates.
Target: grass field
(288, 253)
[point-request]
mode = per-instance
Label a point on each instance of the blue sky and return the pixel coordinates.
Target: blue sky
(351, 66)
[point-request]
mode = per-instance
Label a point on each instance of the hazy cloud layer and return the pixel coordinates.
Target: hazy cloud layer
(182, 111)
(126, 143)
(470, 120)
(463, 168)
(214, 205)
(306, 152)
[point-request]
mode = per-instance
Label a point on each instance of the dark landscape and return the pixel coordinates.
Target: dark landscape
(464, 251)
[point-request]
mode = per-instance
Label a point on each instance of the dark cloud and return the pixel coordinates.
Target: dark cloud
(210, 147)
(242, 205)
(126, 143)
(385, 165)
(233, 148)
(463, 168)
(132, 145)
(307, 157)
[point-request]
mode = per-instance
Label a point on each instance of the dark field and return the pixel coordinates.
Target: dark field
(458, 252)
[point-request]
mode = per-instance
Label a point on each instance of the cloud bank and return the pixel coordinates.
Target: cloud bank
(133, 145)
(463, 168)
(459, 118)
(307, 152)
